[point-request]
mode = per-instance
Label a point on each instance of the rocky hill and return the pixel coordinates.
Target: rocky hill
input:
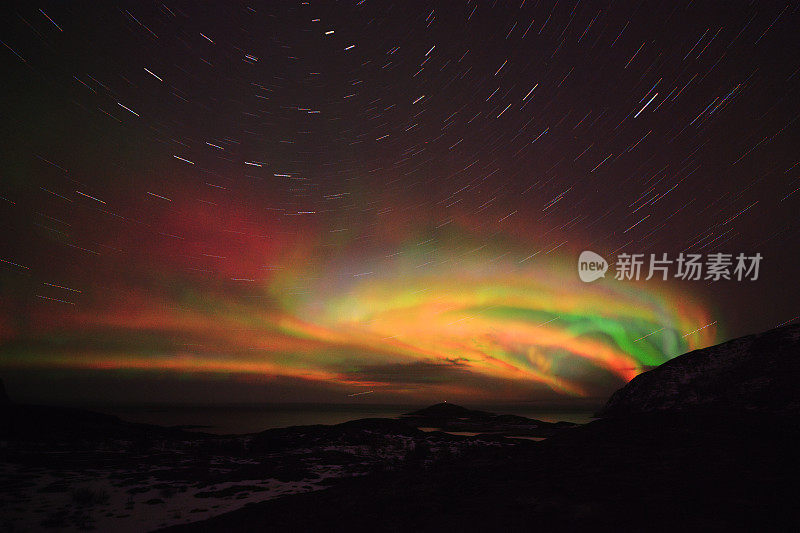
(752, 373)
(697, 444)
(455, 418)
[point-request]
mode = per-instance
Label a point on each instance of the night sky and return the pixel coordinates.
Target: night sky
(385, 201)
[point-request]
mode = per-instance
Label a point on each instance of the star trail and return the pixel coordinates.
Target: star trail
(385, 201)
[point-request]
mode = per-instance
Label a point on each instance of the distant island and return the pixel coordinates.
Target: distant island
(110, 472)
(705, 441)
(453, 418)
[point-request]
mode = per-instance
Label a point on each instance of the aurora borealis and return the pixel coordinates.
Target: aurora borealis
(415, 315)
(377, 201)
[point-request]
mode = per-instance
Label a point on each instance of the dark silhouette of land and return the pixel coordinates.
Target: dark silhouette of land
(707, 441)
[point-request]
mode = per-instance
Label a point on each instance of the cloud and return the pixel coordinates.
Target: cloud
(418, 372)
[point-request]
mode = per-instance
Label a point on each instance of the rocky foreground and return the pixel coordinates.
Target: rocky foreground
(707, 441)
(69, 469)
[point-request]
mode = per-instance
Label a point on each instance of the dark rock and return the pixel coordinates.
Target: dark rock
(702, 443)
(756, 372)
